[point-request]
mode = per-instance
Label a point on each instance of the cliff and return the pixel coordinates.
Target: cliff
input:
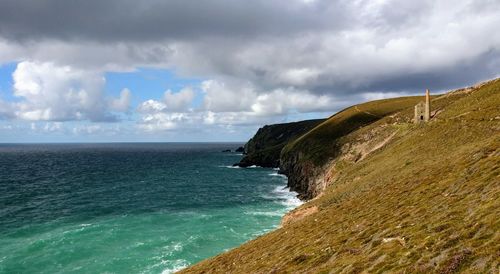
(265, 147)
(343, 137)
(389, 195)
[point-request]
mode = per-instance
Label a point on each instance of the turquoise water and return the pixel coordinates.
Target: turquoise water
(129, 208)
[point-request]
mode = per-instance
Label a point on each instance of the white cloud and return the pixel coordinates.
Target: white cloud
(61, 93)
(122, 103)
(53, 127)
(180, 100)
(151, 106)
(163, 121)
(283, 101)
(224, 107)
(87, 129)
(221, 97)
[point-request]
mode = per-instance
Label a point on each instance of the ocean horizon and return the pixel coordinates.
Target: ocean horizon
(130, 207)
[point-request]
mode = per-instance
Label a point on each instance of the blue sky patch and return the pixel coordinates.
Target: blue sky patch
(150, 83)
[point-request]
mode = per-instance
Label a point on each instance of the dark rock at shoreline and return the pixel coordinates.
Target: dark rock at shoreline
(240, 149)
(226, 150)
(265, 146)
(257, 159)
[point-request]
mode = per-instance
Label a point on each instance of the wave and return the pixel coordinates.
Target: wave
(254, 166)
(174, 266)
(230, 166)
(286, 197)
(277, 175)
(171, 265)
(265, 213)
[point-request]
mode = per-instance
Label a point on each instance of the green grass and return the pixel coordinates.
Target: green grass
(426, 202)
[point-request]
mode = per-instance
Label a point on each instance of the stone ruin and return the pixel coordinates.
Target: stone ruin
(423, 110)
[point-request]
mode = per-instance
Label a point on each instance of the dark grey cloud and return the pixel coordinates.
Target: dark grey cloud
(464, 73)
(156, 20)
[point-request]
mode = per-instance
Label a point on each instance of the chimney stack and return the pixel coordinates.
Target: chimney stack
(427, 115)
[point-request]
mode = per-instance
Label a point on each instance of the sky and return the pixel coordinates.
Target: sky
(217, 70)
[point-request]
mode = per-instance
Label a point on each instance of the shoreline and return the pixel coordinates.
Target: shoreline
(288, 199)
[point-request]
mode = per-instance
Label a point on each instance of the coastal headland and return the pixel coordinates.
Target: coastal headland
(383, 193)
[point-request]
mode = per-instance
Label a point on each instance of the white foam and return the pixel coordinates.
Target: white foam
(230, 166)
(138, 244)
(277, 174)
(175, 266)
(287, 198)
(264, 213)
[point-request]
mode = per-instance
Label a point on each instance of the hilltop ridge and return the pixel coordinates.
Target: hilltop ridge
(385, 194)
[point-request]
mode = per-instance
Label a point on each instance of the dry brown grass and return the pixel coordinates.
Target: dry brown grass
(426, 202)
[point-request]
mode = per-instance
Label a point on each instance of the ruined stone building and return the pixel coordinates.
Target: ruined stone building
(423, 109)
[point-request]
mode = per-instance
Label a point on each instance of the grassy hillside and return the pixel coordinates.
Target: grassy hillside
(426, 201)
(265, 147)
(320, 143)
(305, 159)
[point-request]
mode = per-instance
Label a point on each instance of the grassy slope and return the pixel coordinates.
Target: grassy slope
(429, 201)
(320, 143)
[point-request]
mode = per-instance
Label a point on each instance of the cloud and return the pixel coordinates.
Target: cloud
(95, 129)
(219, 97)
(151, 106)
(61, 93)
(180, 100)
(262, 60)
(164, 121)
(153, 19)
(6, 111)
(322, 47)
(283, 101)
(228, 105)
(224, 97)
(78, 128)
(177, 102)
(122, 103)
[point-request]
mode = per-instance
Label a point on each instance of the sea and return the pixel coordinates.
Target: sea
(130, 207)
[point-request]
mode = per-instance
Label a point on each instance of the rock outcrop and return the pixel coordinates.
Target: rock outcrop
(265, 147)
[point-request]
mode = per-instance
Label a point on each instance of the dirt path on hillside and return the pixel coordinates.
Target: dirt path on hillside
(359, 110)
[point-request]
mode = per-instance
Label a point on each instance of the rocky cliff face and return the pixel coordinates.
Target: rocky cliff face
(265, 147)
(303, 177)
(310, 179)
(311, 162)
